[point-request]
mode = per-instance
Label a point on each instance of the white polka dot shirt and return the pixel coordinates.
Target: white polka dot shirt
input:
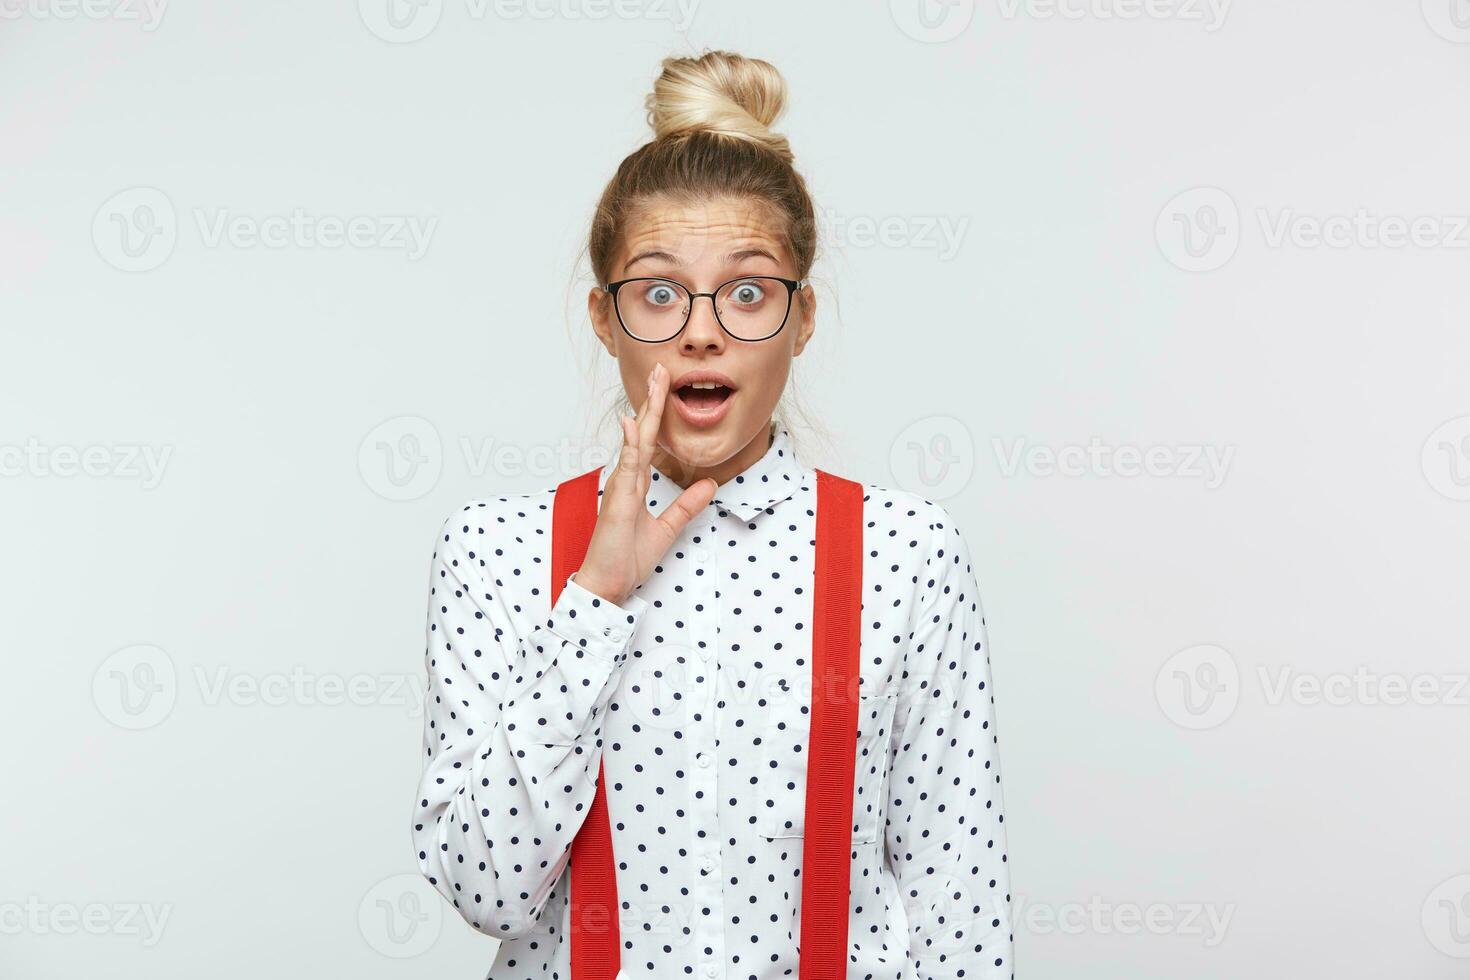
(694, 695)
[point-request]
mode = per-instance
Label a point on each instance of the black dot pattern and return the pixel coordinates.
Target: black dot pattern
(694, 697)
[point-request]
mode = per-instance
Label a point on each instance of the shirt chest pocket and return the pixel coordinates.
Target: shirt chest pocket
(781, 788)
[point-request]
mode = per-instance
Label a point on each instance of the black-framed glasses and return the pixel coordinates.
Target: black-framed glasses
(750, 308)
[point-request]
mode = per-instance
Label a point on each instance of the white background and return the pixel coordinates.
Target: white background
(210, 706)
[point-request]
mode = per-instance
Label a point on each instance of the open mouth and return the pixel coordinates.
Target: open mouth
(703, 396)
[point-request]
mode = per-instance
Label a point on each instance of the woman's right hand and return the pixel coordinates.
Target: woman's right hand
(627, 541)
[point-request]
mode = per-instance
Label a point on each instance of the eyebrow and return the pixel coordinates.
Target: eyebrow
(739, 255)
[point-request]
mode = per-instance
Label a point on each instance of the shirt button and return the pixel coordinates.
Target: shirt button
(616, 635)
(704, 759)
(701, 557)
(711, 970)
(707, 865)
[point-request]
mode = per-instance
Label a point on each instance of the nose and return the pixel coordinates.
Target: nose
(703, 331)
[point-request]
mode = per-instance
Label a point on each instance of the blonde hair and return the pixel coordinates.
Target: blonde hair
(711, 118)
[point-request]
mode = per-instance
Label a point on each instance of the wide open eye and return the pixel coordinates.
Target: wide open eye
(747, 292)
(661, 294)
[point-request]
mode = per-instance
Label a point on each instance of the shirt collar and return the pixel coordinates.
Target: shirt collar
(774, 477)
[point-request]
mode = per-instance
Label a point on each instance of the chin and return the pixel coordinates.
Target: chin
(703, 447)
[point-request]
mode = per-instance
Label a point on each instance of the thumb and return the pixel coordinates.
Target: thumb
(693, 500)
(700, 494)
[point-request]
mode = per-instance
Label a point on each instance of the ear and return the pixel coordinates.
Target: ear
(804, 312)
(600, 311)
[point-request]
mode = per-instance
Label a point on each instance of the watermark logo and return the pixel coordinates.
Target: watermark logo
(932, 21)
(1450, 19)
(401, 916)
(1198, 687)
(136, 687)
(1445, 459)
(658, 690)
(402, 458)
(945, 922)
(406, 21)
(400, 21)
(933, 457)
(1199, 229)
(135, 230)
(1446, 917)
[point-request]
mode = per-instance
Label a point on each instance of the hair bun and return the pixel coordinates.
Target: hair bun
(720, 92)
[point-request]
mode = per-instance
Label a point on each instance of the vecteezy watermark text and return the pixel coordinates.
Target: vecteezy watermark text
(1206, 463)
(1210, 13)
(406, 21)
(122, 461)
(39, 918)
(942, 234)
(1103, 917)
(936, 23)
(148, 13)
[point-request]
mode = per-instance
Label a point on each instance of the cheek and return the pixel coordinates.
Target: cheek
(768, 379)
(634, 367)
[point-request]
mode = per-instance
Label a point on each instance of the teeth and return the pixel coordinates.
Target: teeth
(703, 384)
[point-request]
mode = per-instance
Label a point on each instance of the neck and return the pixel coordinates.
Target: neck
(685, 474)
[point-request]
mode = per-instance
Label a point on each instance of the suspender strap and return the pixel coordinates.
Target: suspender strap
(594, 887)
(832, 745)
(832, 742)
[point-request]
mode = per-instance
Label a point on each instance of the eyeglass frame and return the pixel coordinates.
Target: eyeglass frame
(793, 286)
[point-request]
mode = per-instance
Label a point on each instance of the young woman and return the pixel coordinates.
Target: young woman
(709, 712)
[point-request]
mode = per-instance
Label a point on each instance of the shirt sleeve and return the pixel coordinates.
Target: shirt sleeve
(512, 733)
(945, 839)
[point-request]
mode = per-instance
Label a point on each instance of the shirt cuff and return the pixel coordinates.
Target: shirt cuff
(586, 619)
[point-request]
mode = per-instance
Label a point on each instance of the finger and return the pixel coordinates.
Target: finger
(643, 460)
(652, 417)
(686, 506)
(624, 475)
(628, 455)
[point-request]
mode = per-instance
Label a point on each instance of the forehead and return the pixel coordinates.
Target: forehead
(703, 231)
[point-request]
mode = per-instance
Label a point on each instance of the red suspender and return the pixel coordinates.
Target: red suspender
(832, 745)
(594, 887)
